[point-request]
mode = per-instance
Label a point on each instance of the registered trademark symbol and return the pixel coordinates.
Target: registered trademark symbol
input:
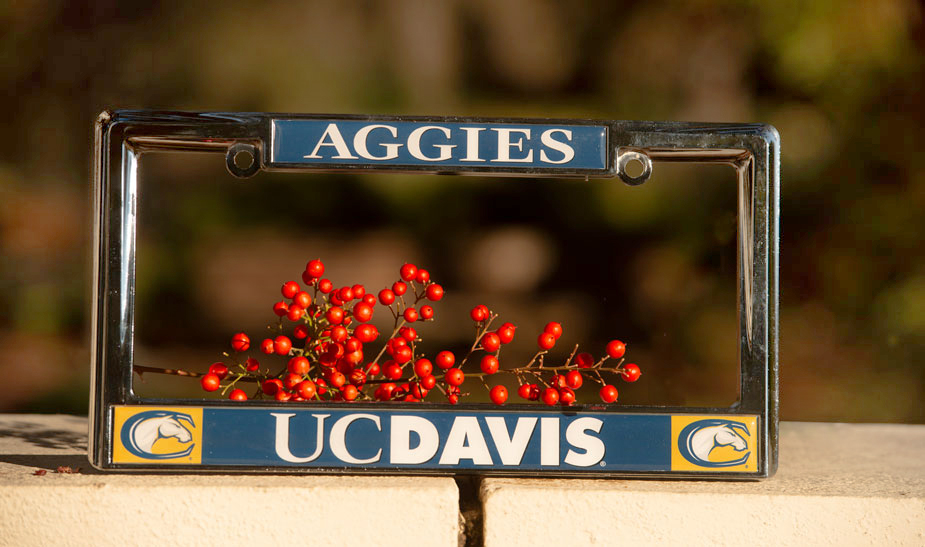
(603, 464)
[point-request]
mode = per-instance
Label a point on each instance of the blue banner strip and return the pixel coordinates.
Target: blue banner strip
(440, 145)
(436, 440)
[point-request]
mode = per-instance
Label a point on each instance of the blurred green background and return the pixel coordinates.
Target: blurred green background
(842, 82)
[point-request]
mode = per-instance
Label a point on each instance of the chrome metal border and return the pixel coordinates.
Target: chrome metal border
(121, 137)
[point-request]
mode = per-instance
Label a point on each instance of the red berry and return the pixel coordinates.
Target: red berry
(290, 289)
(240, 342)
(210, 382)
(506, 333)
(454, 377)
(282, 396)
(399, 288)
(584, 360)
(445, 359)
(479, 313)
(295, 312)
(434, 292)
(321, 386)
(546, 341)
(498, 395)
(282, 345)
(524, 391)
(335, 315)
(300, 332)
(307, 389)
(291, 379)
(402, 355)
(337, 379)
(452, 398)
(616, 349)
(550, 396)
(408, 333)
(423, 367)
(325, 286)
(251, 364)
(349, 392)
(489, 364)
(418, 391)
(352, 344)
(315, 268)
(566, 396)
(339, 334)
(271, 387)
(363, 312)
(631, 372)
(345, 294)
(386, 297)
(558, 381)
(392, 370)
(359, 291)
(370, 300)
(408, 271)
(427, 312)
(491, 342)
(422, 277)
(237, 395)
(554, 329)
(298, 365)
(428, 381)
(609, 393)
(267, 346)
(411, 315)
(366, 333)
(303, 299)
(219, 369)
(574, 379)
(308, 279)
(357, 377)
(281, 308)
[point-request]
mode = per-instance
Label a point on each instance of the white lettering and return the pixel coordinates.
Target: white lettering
(568, 153)
(337, 141)
(465, 441)
(339, 434)
(414, 143)
(505, 145)
(593, 447)
(282, 438)
(400, 451)
(511, 448)
(549, 441)
(472, 143)
(391, 148)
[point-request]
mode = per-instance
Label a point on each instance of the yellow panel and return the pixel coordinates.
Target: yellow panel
(145, 434)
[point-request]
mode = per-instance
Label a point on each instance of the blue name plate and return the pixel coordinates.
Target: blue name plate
(326, 438)
(436, 145)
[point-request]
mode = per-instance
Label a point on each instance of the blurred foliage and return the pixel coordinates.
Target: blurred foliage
(842, 81)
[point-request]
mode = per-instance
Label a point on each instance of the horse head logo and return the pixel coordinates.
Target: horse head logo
(141, 431)
(698, 440)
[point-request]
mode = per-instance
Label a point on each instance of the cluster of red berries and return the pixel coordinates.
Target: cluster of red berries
(326, 359)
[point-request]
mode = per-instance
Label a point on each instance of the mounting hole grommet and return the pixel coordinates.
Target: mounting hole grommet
(242, 160)
(634, 168)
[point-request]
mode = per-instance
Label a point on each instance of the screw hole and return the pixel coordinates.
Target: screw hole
(241, 160)
(634, 168)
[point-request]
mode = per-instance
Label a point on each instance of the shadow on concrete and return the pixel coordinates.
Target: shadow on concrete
(41, 437)
(50, 462)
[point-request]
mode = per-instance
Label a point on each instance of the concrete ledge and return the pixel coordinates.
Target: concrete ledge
(93, 508)
(838, 484)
